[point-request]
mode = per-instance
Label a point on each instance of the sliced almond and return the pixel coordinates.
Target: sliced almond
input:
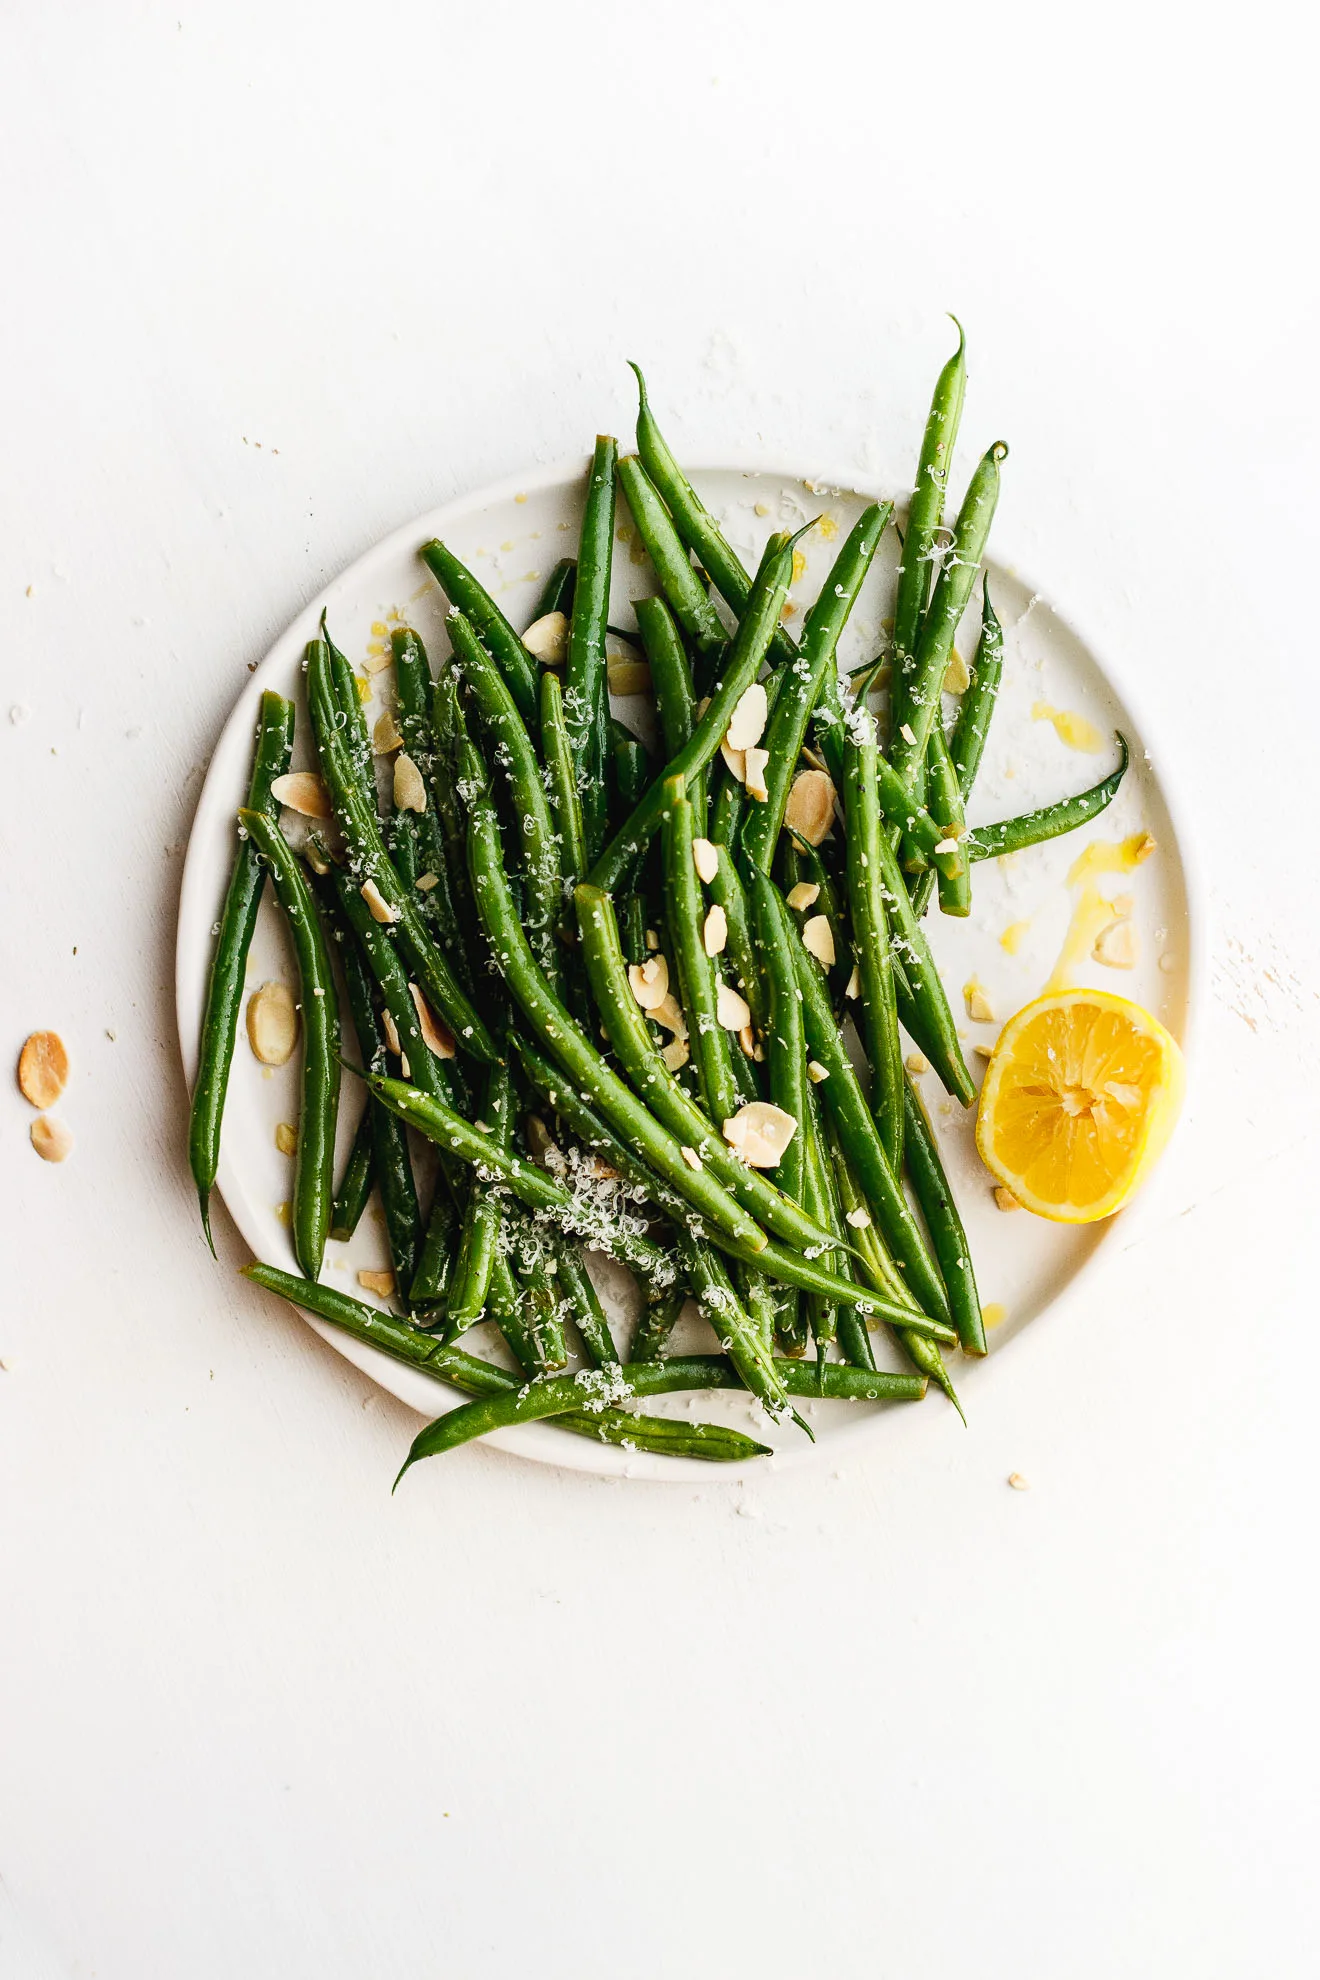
(1004, 1199)
(754, 766)
(905, 730)
(380, 908)
(303, 791)
(377, 1282)
(669, 1013)
(816, 1072)
(652, 941)
(916, 1064)
(409, 787)
(747, 1040)
(376, 663)
(747, 723)
(676, 1054)
(859, 1219)
(810, 808)
(392, 1040)
(818, 939)
(732, 1010)
(853, 987)
(546, 639)
(426, 881)
(715, 932)
(51, 1139)
(979, 1008)
(736, 762)
(541, 1144)
(1143, 849)
(706, 859)
(946, 846)
(314, 854)
(385, 736)
(628, 677)
(436, 1034)
(286, 1138)
(691, 1157)
(957, 675)
(650, 982)
(760, 1132)
(272, 1024)
(804, 895)
(1116, 946)
(984, 1051)
(43, 1068)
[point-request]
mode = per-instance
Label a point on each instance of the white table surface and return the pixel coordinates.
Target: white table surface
(277, 278)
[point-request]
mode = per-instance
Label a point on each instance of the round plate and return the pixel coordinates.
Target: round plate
(1055, 694)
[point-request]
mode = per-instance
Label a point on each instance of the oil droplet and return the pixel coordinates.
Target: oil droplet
(1069, 727)
(994, 1315)
(1110, 856)
(379, 629)
(507, 544)
(520, 498)
(363, 687)
(1012, 937)
(282, 1214)
(799, 566)
(1092, 914)
(827, 528)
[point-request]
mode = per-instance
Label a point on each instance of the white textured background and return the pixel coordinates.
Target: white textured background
(259, 1720)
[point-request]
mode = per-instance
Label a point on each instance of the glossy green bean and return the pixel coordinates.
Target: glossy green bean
(421, 829)
(747, 1340)
(946, 807)
(631, 767)
(561, 781)
(739, 668)
(386, 965)
(656, 1324)
(469, 597)
(785, 1046)
(977, 705)
(675, 698)
(947, 1236)
(686, 595)
(871, 935)
(727, 891)
(557, 591)
(480, 1233)
(391, 1163)
(584, 1306)
(435, 1260)
(939, 1039)
(354, 1189)
(1051, 821)
(925, 516)
(233, 933)
(586, 700)
(313, 1171)
(710, 1043)
(786, 729)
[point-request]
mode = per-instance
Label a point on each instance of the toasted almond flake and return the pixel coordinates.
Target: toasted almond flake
(804, 895)
(760, 1132)
(1018, 1482)
(813, 758)
(691, 1157)
(650, 982)
(905, 730)
(979, 1008)
(702, 706)
(1143, 848)
(1122, 905)
(853, 987)
(732, 1010)
(377, 663)
(706, 859)
(715, 933)
(628, 677)
(669, 1013)
(426, 881)
(810, 808)
(51, 1139)
(391, 1030)
(652, 939)
(859, 1219)
(405, 1070)
(435, 1033)
(272, 1024)
(916, 1064)
(409, 789)
(286, 1138)
(816, 1072)
(377, 1282)
(541, 1144)
(984, 1051)
(736, 762)
(755, 761)
(747, 722)
(957, 675)
(747, 1040)
(1116, 946)
(1005, 1199)
(546, 639)
(376, 901)
(385, 736)
(818, 939)
(303, 791)
(761, 509)
(43, 1068)
(675, 1054)
(946, 846)
(314, 854)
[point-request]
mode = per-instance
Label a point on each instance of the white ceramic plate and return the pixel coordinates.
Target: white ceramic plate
(511, 536)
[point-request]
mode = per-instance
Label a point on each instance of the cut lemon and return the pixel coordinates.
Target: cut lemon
(1079, 1099)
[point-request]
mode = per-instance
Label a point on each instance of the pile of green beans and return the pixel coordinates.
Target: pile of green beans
(600, 989)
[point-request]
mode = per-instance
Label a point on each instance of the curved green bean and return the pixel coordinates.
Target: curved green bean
(1051, 821)
(682, 587)
(469, 597)
(925, 516)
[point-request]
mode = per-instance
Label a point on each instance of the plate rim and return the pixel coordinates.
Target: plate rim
(537, 1442)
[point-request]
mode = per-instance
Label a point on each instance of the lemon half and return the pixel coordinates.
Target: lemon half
(1079, 1099)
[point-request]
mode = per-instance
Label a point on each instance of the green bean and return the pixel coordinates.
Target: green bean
(786, 731)
(871, 939)
(389, 1140)
(947, 1235)
(925, 517)
(656, 1324)
(669, 1104)
(534, 1262)
(726, 814)
(435, 1260)
(357, 737)
(421, 829)
(953, 588)
(785, 1048)
(741, 665)
(805, 863)
(671, 682)
(479, 1235)
(1051, 821)
(946, 807)
(233, 931)
(667, 1436)
(682, 587)
(843, 1097)
(425, 1070)
(584, 1304)
(829, 1319)
(920, 978)
(967, 744)
(561, 781)
(373, 866)
(557, 591)
(586, 701)
(470, 598)
(710, 1042)
(538, 851)
(631, 766)
(746, 1341)
(355, 1184)
(922, 834)
(313, 1172)
(726, 890)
